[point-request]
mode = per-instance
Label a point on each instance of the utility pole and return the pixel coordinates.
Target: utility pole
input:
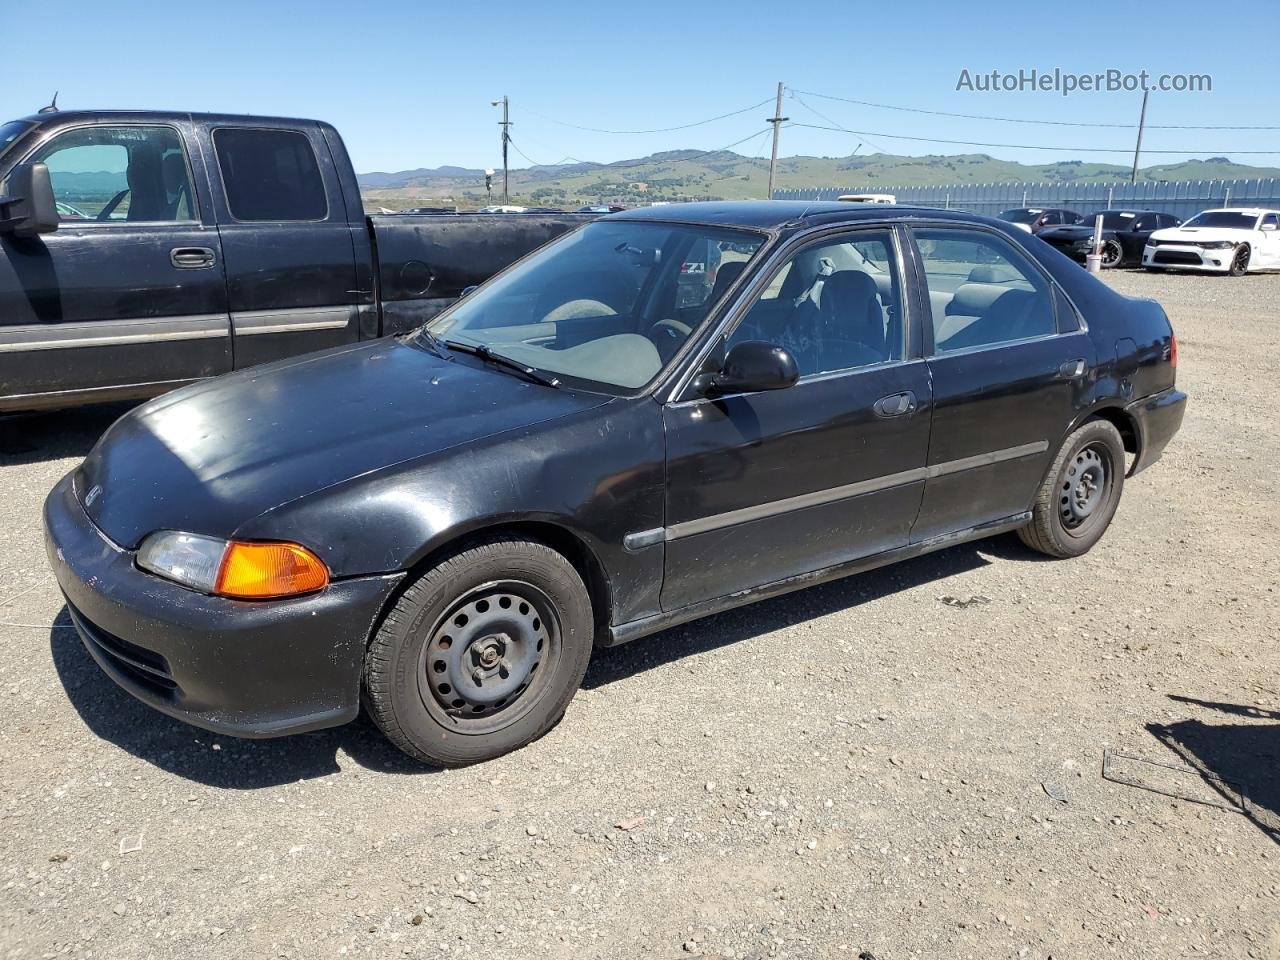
(505, 123)
(1142, 122)
(777, 120)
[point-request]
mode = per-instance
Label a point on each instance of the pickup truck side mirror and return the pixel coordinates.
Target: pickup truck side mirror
(28, 207)
(750, 367)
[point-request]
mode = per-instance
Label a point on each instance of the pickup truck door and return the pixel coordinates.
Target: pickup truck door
(290, 261)
(127, 297)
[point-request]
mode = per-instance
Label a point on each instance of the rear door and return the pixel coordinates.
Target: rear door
(128, 295)
(292, 285)
(1010, 365)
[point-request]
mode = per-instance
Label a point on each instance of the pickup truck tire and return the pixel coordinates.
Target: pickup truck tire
(481, 654)
(1080, 492)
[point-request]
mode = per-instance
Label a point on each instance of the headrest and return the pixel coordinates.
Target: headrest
(847, 287)
(725, 278)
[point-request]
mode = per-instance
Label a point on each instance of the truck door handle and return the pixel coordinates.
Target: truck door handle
(895, 405)
(1073, 369)
(191, 258)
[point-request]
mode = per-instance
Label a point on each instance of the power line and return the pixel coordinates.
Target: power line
(683, 126)
(823, 116)
(1025, 146)
(1051, 123)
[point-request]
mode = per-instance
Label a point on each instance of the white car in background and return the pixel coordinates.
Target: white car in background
(1236, 241)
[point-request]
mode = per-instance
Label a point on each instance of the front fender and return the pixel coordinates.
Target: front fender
(598, 475)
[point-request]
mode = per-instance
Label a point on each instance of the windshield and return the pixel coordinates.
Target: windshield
(1223, 218)
(607, 305)
(9, 132)
(1020, 216)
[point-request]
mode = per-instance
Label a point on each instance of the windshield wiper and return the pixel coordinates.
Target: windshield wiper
(485, 353)
(431, 342)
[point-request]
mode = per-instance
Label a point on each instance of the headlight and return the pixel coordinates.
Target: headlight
(1218, 245)
(231, 568)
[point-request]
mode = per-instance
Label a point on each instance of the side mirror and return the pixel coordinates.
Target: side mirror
(1268, 227)
(750, 367)
(29, 207)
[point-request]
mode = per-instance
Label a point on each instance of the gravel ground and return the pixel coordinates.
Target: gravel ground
(859, 767)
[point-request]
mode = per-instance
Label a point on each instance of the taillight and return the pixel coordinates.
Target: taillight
(1173, 350)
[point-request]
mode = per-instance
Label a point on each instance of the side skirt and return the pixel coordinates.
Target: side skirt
(626, 632)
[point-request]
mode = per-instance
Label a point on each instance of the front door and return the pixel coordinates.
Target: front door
(1010, 367)
(771, 485)
(128, 293)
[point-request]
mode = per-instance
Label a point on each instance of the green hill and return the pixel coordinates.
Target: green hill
(724, 175)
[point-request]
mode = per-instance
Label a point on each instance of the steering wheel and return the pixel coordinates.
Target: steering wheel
(668, 336)
(110, 208)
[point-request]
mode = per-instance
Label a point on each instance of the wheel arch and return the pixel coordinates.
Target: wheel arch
(1125, 424)
(556, 535)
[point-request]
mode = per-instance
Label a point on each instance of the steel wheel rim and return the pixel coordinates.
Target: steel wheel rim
(488, 659)
(1085, 488)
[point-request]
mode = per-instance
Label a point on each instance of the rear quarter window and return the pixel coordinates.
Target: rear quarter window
(270, 175)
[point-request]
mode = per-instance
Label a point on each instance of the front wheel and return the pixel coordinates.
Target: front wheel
(481, 654)
(1079, 496)
(1240, 261)
(1112, 254)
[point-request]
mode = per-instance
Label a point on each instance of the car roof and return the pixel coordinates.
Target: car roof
(774, 214)
(1252, 211)
(158, 116)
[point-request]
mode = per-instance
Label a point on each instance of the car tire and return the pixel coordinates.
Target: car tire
(1239, 261)
(1112, 254)
(1080, 492)
(481, 654)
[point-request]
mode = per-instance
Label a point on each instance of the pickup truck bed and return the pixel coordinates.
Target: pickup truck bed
(190, 245)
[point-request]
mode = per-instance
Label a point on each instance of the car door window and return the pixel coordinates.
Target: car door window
(119, 174)
(270, 175)
(982, 291)
(834, 306)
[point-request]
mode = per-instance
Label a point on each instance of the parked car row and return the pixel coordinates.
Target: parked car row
(1233, 240)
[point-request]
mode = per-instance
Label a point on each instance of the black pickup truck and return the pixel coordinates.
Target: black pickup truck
(140, 251)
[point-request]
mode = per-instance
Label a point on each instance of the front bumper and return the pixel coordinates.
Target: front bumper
(250, 669)
(1158, 418)
(1176, 256)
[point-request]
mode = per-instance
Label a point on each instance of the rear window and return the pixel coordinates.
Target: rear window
(270, 175)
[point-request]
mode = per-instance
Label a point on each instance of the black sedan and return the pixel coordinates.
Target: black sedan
(1124, 234)
(444, 525)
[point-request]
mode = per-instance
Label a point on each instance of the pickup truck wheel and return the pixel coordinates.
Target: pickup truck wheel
(481, 654)
(1080, 493)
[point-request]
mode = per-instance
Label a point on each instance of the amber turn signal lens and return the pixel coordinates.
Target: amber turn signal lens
(258, 571)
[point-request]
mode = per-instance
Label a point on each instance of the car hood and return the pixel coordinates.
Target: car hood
(208, 458)
(1068, 233)
(1200, 234)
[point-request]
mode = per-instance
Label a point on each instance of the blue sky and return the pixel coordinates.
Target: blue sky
(409, 84)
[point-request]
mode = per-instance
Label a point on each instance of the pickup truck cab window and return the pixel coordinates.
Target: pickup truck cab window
(270, 175)
(135, 174)
(11, 131)
(982, 292)
(836, 307)
(600, 306)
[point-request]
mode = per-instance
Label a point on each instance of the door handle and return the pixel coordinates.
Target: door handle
(1073, 369)
(191, 258)
(895, 405)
